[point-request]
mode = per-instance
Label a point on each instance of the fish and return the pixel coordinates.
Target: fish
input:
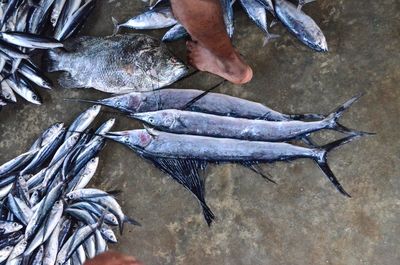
(175, 33)
(29, 40)
(302, 26)
(227, 11)
(24, 89)
(75, 21)
(156, 18)
(183, 156)
(56, 11)
(7, 93)
(194, 123)
(197, 101)
(5, 253)
(7, 227)
(257, 13)
(11, 51)
(131, 62)
(34, 74)
(39, 16)
(83, 120)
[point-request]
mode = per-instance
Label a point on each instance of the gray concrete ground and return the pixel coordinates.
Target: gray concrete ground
(303, 219)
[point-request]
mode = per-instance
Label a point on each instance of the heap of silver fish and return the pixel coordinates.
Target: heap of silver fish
(303, 27)
(47, 214)
(189, 129)
(22, 26)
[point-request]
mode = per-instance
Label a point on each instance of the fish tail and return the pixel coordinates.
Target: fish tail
(131, 221)
(269, 37)
(322, 162)
(116, 26)
(52, 60)
(333, 118)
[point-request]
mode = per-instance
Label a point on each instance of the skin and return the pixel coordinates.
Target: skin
(113, 258)
(210, 49)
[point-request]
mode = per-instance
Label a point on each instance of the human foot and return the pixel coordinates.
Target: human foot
(232, 68)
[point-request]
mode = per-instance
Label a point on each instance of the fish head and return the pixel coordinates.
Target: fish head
(173, 69)
(15, 227)
(128, 103)
(159, 119)
(109, 234)
(134, 139)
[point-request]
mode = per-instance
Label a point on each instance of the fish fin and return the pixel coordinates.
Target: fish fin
(323, 163)
(332, 119)
(308, 141)
(67, 81)
(253, 166)
(116, 26)
(273, 23)
(131, 221)
(186, 173)
(51, 60)
(197, 98)
(306, 116)
(269, 37)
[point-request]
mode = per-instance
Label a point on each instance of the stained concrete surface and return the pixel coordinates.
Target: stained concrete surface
(302, 219)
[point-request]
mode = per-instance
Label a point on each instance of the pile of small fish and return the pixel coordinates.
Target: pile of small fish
(23, 24)
(302, 26)
(192, 128)
(47, 215)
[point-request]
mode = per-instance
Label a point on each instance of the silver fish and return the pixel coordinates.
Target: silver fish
(187, 122)
(183, 156)
(29, 40)
(5, 253)
(131, 62)
(301, 25)
(157, 18)
(175, 33)
(83, 120)
(7, 227)
(57, 8)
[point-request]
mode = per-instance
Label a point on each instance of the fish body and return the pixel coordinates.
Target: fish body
(211, 103)
(187, 122)
(301, 25)
(23, 89)
(56, 11)
(123, 63)
(34, 74)
(227, 11)
(156, 18)
(175, 33)
(83, 121)
(28, 40)
(72, 23)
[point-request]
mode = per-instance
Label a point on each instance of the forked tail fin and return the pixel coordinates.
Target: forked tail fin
(116, 26)
(323, 163)
(332, 119)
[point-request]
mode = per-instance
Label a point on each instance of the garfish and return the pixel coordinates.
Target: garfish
(183, 156)
(124, 63)
(156, 18)
(300, 25)
(195, 123)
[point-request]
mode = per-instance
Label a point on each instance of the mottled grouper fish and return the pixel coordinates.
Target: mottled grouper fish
(184, 156)
(116, 64)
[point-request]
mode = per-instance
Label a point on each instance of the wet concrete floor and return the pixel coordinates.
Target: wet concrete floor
(302, 219)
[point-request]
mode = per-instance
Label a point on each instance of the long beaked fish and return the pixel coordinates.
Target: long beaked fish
(195, 123)
(302, 26)
(124, 63)
(211, 103)
(183, 156)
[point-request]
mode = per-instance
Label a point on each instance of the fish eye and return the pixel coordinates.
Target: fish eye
(151, 119)
(15, 224)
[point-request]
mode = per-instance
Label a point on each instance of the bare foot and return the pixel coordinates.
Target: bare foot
(232, 68)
